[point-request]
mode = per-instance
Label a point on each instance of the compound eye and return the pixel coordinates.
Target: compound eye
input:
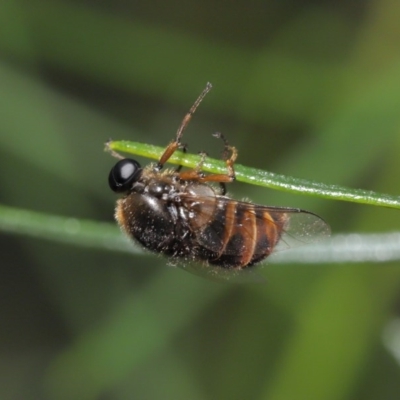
(124, 173)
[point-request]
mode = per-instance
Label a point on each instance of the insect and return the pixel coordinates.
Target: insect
(185, 216)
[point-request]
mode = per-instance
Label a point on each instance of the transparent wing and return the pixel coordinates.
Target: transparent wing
(302, 227)
(225, 226)
(223, 275)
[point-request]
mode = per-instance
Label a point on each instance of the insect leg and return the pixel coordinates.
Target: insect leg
(195, 173)
(176, 144)
(229, 160)
(222, 186)
(224, 178)
(198, 175)
(184, 150)
(111, 151)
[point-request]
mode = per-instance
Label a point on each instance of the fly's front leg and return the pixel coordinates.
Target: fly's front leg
(184, 150)
(111, 151)
(176, 144)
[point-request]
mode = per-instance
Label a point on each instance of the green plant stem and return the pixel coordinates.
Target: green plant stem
(263, 178)
(68, 230)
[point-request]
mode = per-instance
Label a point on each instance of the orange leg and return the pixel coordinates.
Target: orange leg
(197, 175)
(194, 174)
(176, 144)
(230, 161)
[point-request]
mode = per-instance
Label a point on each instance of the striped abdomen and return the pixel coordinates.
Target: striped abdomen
(239, 234)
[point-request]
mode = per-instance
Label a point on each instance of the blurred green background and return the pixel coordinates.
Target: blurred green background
(305, 88)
